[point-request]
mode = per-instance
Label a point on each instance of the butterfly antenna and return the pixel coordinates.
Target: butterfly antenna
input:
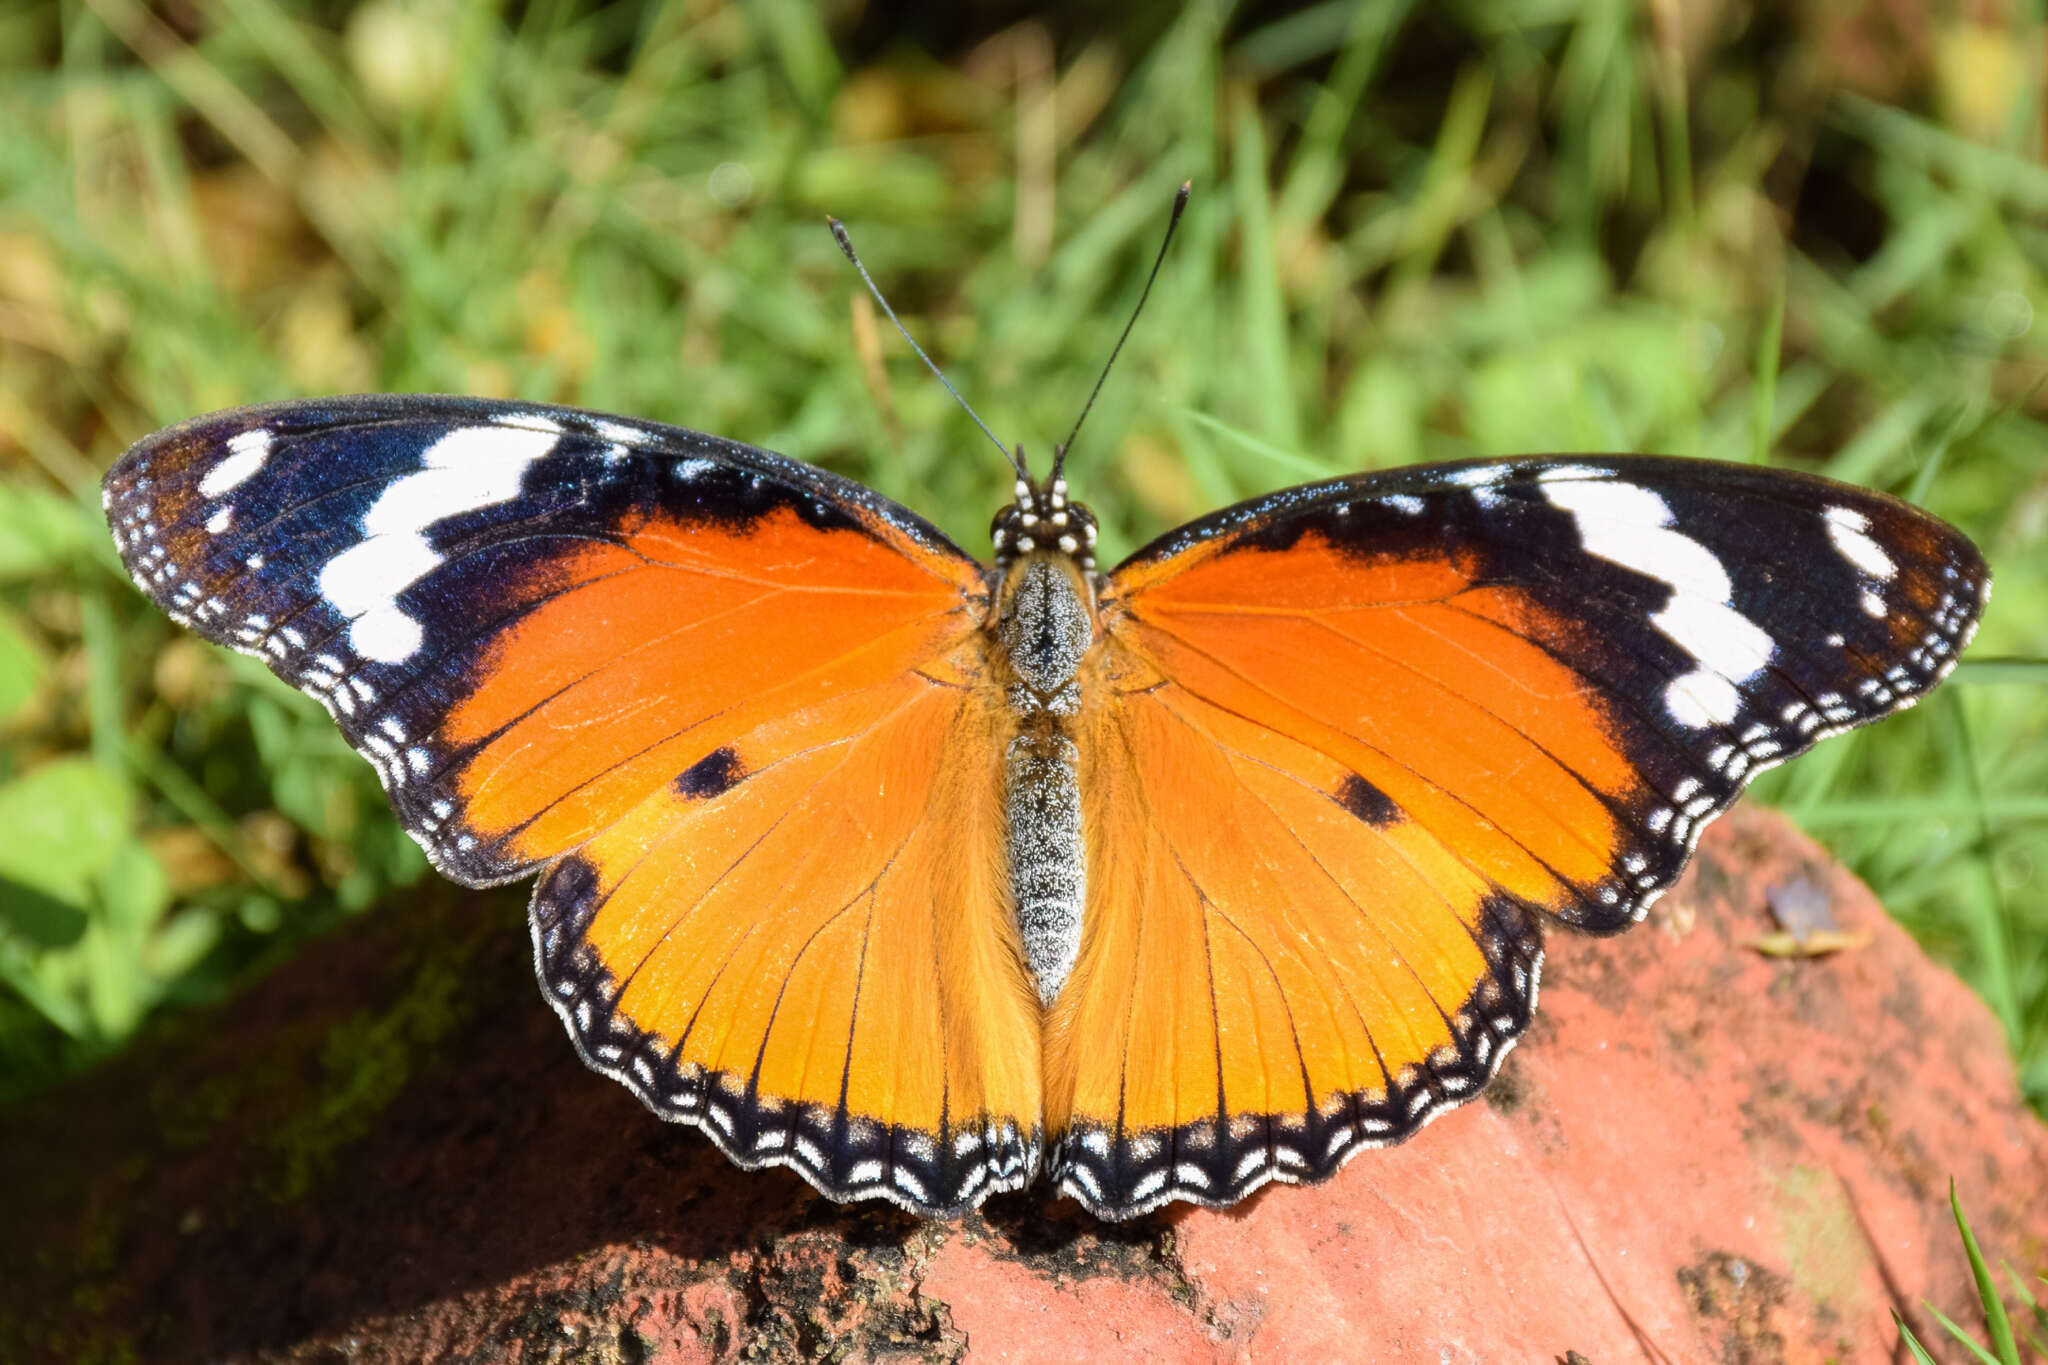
(846, 245)
(1180, 203)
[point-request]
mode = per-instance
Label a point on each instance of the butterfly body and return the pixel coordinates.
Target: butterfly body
(1042, 632)
(926, 877)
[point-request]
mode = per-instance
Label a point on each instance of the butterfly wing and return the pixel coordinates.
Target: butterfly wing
(1351, 744)
(718, 697)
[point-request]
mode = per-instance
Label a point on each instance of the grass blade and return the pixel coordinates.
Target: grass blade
(1767, 360)
(1995, 1320)
(1920, 1355)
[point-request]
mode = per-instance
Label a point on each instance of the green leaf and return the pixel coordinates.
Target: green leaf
(134, 890)
(65, 823)
(22, 665)
(185, 938)
(38, 531)
(116, 992)
(51, 999)
(1985, 672)
(39, 917)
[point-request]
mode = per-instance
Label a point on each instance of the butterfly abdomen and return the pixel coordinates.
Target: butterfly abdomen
(1044, 628)
(1042, 805)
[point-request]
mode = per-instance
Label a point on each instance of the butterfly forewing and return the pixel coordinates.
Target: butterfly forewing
(716, 694)
(1417, 711)
(438, 570)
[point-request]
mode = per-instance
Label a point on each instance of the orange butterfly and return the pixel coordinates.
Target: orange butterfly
(924, 877)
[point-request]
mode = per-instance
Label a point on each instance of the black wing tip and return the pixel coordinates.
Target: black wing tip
(287, 418)
(1422, 478)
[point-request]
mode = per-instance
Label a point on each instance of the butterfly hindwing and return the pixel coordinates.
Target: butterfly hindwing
(1279, 966)
(783, 946)
(1420, 711)
(719, 697)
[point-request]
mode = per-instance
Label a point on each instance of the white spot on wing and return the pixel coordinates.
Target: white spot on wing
(1573, 473)
(1725, 641)
(246, 454)
(529, 421)
(468, 469)
(1631, 526)
(363, 583)
(1846, 530)
(1479, 476)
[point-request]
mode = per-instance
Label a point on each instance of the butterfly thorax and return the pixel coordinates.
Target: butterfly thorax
(1044, 627)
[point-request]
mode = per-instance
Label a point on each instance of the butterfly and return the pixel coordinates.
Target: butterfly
(927, 877)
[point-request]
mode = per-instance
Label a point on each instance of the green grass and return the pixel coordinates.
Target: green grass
(1998, 1325)
(1414, 236)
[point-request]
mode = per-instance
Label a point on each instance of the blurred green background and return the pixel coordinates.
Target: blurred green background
(1810, 233)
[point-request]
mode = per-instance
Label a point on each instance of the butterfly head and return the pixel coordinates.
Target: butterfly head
(1042, 519)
